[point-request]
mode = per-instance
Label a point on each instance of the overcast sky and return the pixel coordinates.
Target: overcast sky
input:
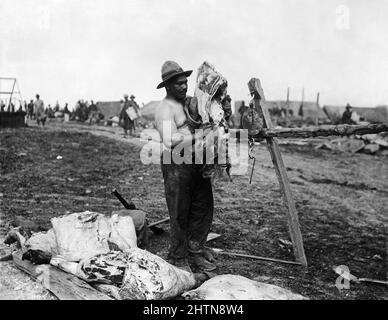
(100, 49)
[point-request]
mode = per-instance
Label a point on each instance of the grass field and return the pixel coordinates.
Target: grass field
(341, 200)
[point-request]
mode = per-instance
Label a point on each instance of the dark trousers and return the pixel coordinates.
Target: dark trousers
(190, 204)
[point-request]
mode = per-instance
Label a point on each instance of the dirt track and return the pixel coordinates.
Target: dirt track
(341, 200)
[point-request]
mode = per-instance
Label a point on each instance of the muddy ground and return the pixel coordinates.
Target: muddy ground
(342, 201)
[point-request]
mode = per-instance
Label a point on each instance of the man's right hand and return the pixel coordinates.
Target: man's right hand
(192, 106)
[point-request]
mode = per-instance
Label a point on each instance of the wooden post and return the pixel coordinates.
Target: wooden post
(292, 215)
(65, 286)
(288, 106)
(10, 98)
(322, 131)
(316, 116)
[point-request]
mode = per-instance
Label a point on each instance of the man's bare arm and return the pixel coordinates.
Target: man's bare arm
(165, 124)
(171, 137)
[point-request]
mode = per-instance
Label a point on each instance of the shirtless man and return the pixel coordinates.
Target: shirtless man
(189, 195)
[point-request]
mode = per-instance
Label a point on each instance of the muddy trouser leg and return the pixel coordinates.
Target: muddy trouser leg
(178, 184)
(201, 213)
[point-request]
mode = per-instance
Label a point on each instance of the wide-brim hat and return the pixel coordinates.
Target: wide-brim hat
(171, 69)
(132, 96)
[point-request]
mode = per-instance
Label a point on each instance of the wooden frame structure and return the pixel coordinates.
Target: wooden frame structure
(270, 134)
(13, 91)
(273, 147)
(11, 117)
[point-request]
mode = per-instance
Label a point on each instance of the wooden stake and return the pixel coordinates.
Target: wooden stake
(243, 255)
(293, 221)
(153, 224)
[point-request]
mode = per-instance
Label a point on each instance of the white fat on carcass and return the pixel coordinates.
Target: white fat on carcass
(216, 112)
(149, 277)
(235, 287)
(86, 234)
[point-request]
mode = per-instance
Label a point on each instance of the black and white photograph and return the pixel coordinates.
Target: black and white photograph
(191, 155)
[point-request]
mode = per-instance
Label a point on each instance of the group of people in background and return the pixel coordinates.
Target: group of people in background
(83, 111)
(10, 107)
(36, 110)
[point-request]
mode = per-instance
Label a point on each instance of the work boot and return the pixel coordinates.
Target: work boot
(198, 261)
(209, 254)
(181, 263)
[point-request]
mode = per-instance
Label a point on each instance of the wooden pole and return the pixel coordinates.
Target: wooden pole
(10, 98)
(288, 105)
(322, 131)
(316, 115)
(293, 221)
(302, 104)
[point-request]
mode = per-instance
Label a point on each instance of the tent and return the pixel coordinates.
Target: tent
(148, 111)
(310, 110)
(109, 109)
(373, 115)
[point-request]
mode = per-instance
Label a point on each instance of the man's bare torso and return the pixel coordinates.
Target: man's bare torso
(171, 114)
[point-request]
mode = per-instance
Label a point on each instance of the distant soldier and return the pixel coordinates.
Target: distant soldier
(66, 108)
(93, 113)
(132, 103)
(81, 111)
(57, 107)
(50, 112)
(66, 112)
(92, 107)
(39, 111)
(347, 115)
(124, 119)
(301, 112)
(30, 110)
